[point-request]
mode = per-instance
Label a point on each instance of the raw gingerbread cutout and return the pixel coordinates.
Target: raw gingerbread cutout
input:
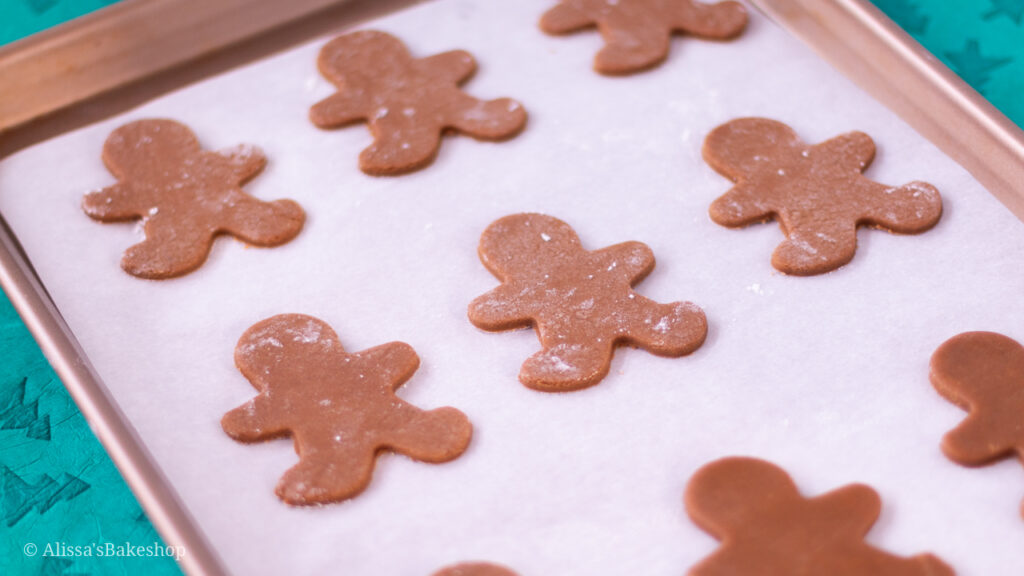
(637, 33)
(340, 407)
(475, 569)
(816, 192)
(407, 102)
(983, 373)
(185, 196)
(581, 303)
(766, 527)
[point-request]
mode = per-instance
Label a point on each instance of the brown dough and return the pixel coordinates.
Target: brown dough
(983, 373)
(340, 408)
(475, 569)
(581, 303)
(407, 102)
(637, 32)
(185, 196)
(767, 528)
(817, 192)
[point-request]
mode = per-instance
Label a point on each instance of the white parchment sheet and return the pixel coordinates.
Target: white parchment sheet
(826, 376)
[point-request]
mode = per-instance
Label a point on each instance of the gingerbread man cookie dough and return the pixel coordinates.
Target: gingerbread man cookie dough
(475, 569)
(637, 33)
(407, 102)
(983, 373)
(816, 192)
(768, 528)
(581, 303)
(340, 407)
(185, 196)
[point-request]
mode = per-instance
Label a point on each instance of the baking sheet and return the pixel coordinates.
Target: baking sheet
(826, 376)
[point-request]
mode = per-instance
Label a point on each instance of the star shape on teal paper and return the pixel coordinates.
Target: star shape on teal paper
(974, 68)
(1013, 9)
(906, 13)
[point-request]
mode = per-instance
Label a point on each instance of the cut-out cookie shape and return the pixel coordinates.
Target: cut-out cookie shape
(637, 33)
(817, 192)
(983, 373)
(407, 102)
(581, 303)
(340, 407)
(768, 528)
(475, 569)
(185, 197)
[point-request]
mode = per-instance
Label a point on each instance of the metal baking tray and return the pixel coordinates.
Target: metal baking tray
(851, 34)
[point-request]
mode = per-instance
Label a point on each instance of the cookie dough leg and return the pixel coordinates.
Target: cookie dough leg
(719, 21)
(673, 329)
(429, 436)
(169, 250)
(563, 19)
(810, 250)
(631, 48)
(115, 203)
(491, 120)
(972, 443)
(327, 473)
(567, 366)
(399, 144)
(263, 223)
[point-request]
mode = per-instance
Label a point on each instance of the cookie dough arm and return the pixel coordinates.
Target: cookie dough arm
(858, 505)
(428, 436)
(491, 120)
(720, 21)
(245, 161)
(670, 330)
(564, 18)
(972, 443)
(740, 206)
(262, 223)
(634, 260)
(852, 152)
(456, 65)
(631, 46)
(115, 203)
(339, 109)
(908, 209)
(500, 309)
(394, 362)
(253, 421)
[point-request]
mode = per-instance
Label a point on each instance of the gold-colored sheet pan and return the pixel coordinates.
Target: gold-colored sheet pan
(851, 34)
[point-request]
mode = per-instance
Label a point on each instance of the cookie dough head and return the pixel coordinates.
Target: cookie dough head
(475, 569)
(730, 494)
(511, 246)
(142, 150)
(363, 58)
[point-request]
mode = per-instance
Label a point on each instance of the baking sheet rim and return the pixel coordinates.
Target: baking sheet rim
(141, 472)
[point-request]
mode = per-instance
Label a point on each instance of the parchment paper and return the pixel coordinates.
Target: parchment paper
(826, 376)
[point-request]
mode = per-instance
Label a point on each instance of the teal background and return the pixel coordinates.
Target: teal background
(58, 485)
(20, 18)
(981, 40)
